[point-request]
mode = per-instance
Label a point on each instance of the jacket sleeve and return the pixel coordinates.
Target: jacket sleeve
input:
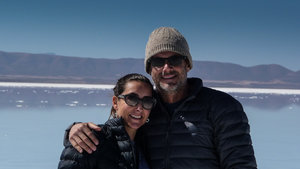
(232, 134)
(72, 159)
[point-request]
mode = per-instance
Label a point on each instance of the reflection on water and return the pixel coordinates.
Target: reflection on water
(276, 136)
(267, 101)
(31, 138)
(55, 97)
(33, 120)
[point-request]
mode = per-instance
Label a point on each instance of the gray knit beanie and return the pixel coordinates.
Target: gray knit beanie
(165, 39)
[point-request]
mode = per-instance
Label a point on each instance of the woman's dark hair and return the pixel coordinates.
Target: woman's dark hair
(121, 83)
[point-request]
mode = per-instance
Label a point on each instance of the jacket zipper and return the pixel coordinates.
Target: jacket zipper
(167, 155)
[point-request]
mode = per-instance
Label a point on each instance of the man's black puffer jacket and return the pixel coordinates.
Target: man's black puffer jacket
(209, 130)
(113, 152)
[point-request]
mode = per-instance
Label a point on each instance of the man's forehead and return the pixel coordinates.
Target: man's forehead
(165, 54)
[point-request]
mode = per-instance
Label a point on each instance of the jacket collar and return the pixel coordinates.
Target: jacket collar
(195, 86)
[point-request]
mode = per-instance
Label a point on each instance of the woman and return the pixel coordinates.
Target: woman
(131, 106)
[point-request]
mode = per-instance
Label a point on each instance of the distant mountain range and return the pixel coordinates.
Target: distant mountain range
(50, 68)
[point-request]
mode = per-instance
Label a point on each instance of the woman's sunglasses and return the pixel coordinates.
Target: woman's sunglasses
(174, 60)
(133, 100)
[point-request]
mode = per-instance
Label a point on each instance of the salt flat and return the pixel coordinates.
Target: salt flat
(106, 86)
(261, 91)
(56, 85)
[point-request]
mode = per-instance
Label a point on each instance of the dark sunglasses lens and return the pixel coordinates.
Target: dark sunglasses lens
(175, 60)
(131, 100)
(157, 62)
(148, 102)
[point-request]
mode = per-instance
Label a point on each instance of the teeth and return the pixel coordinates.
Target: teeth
(134, 116)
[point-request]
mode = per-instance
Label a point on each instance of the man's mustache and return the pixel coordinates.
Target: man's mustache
(168, 73)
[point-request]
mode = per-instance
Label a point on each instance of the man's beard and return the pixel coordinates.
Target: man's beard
(171, 88)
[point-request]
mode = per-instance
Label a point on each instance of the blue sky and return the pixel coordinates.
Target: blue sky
(245, 32)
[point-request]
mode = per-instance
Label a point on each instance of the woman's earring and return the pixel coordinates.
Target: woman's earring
(147, 121)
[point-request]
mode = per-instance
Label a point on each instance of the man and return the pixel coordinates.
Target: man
(192, 126)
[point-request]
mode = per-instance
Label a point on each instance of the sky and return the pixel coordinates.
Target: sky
(244, 32)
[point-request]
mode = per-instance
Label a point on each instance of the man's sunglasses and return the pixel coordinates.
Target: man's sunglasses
(133, 100)
(174, 60)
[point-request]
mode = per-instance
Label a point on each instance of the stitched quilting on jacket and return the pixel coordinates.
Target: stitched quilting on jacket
(114, 151)
(209, 130)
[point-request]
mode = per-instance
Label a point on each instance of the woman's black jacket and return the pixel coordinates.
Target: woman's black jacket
(115, 150)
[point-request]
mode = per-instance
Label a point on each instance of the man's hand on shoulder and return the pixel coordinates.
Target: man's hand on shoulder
(82, 138)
